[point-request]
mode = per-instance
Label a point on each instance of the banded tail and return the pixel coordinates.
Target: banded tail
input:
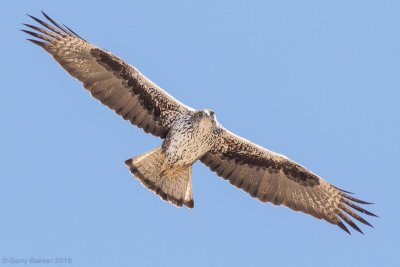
(173, 185)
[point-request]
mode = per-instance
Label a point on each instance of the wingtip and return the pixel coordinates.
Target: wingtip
(345, 191)
(367, 223)
(36, 42)
(356, 199)
(358, 229)
(32, 17)
(343, 227)
(25, 31)
(371, 214)
(367, 203)
(44, 14)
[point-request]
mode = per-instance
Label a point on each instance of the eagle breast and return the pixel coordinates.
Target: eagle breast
(191, 136)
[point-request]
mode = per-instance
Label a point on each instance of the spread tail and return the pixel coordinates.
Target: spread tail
(173, 185)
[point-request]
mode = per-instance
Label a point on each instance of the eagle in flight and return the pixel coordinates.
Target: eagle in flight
(190, 135)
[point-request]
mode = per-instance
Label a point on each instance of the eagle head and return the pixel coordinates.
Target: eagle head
(205, 116)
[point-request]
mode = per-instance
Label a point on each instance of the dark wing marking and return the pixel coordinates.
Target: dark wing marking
(109, 79)
(271, 177)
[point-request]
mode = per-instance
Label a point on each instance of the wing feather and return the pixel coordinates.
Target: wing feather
(274, 178)
(113, 82)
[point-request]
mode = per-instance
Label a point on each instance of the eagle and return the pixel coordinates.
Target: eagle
(190, 135)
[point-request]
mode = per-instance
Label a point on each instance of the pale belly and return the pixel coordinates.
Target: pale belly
(185, 149)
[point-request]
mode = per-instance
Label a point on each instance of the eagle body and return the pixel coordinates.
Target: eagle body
(190, 135)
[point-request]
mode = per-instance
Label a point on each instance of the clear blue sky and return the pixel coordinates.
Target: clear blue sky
(317, 81)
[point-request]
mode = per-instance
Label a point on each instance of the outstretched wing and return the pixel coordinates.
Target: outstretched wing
(272, 177)
(115, 83)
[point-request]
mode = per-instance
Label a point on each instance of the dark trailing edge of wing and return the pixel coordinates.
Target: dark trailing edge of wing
(125, 99)
(228, 165)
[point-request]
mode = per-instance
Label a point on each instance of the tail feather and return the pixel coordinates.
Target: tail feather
(173, 185)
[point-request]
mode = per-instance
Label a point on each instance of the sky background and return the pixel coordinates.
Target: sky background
(317, 81)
